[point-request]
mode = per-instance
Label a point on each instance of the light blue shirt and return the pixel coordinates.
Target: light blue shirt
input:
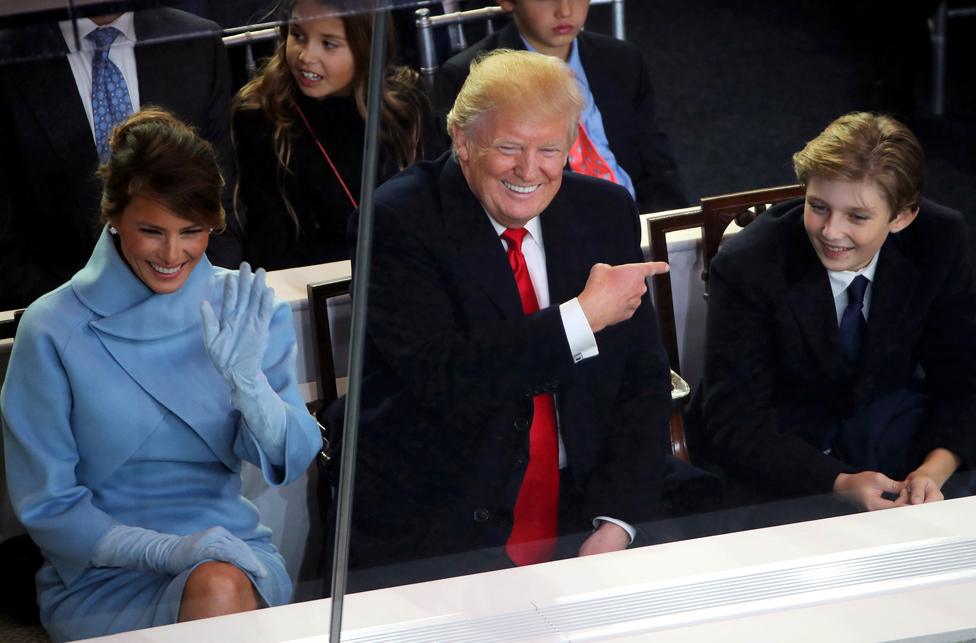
(592, 120)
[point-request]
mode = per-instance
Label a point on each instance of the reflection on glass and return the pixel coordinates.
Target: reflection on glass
(449, 438)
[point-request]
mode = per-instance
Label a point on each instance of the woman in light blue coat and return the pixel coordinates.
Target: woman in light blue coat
(133, 394)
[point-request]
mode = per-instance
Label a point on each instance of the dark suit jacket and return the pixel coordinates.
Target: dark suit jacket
(622, 90)
(775, 381)
(49, 196)
(452, 364)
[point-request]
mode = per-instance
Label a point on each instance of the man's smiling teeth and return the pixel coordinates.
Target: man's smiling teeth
(836, 248)
(165, 271)
(309, 75)
(521, 189)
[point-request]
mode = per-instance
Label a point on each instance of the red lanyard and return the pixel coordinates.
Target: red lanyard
(326, 155)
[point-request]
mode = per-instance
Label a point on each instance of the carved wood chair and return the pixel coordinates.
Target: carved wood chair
(713, 218)
(657, 229)
(718, 212)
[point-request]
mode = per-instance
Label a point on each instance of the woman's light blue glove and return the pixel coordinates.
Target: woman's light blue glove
(148, 550)
(236, 343)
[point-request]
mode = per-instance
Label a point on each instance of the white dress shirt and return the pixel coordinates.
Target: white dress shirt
(121, 53)
(841, 279)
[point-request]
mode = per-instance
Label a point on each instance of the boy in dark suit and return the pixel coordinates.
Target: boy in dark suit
(619, 138)
(841, 339)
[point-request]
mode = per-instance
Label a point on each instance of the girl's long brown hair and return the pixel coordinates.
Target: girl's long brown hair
(272, 91)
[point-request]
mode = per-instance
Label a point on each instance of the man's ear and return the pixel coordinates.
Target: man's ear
(903, 219)
(460, 143)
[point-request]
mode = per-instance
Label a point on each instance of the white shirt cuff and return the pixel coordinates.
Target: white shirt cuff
(582, 343)
(620, 523)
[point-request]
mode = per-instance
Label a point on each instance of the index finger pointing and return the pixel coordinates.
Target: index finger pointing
(652, 268)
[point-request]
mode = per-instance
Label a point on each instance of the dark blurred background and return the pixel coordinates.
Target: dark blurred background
(742, 85)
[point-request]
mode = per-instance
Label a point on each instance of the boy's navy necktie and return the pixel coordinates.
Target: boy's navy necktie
(852, 323)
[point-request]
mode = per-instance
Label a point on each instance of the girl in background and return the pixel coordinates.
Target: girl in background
(299, 129)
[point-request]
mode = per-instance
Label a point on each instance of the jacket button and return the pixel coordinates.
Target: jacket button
(519, 461)
(481, 515)
(521, 424)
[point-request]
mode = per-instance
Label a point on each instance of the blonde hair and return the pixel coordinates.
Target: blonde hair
(530, 82)
(861, 145)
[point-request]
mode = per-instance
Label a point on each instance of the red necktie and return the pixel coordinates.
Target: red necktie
(533, 538)
(585, 159)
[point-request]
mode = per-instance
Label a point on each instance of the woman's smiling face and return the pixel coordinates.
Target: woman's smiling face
(161, 247)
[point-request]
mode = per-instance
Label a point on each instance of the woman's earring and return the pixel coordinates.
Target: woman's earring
(112, 229)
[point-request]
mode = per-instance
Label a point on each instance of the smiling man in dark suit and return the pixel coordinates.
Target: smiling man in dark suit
(49, 197)
(618, 117)
(841, 336)
(515, 389)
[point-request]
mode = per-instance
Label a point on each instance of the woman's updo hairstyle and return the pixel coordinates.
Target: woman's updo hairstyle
(157, 156)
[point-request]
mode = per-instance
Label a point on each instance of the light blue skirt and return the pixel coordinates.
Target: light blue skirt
(109, 600)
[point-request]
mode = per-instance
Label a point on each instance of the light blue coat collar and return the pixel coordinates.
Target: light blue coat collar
(158, 340)
(129, 309)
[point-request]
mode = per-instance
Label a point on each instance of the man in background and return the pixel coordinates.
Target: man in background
(60, 97)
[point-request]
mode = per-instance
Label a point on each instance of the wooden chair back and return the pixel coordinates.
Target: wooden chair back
(718, 212)
(319, 295)
(658, 228)
(713, 218)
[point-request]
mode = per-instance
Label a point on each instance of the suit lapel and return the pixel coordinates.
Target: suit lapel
(892, 294)
(601, 83)
(152, 57)
(565, 243)
(478, 247)
(811, 301)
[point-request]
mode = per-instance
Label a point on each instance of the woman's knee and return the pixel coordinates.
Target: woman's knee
(216, 588)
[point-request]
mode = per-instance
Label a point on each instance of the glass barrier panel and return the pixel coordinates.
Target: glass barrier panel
(523, 401)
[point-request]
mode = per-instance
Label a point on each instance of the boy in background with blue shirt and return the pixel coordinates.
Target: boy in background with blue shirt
(619, 139)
